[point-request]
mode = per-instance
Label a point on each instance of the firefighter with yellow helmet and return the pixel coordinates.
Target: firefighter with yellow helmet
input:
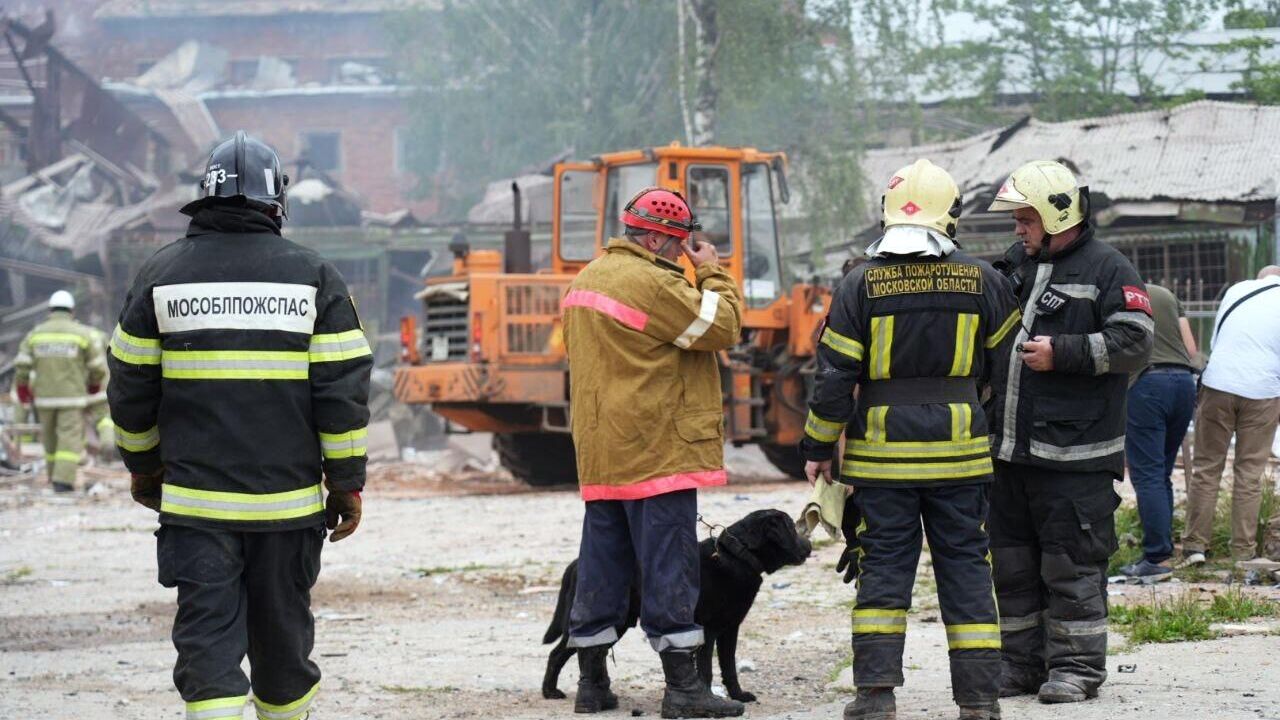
(919, 329)
(1059, 435)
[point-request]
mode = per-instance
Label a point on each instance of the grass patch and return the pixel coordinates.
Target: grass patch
(1129, 534)
(1186, 618)
(1234, 606)
(1179, 619)
(840, 667)
(447, 569)
(17, 574)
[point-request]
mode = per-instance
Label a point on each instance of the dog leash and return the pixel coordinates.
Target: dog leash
(711, 529)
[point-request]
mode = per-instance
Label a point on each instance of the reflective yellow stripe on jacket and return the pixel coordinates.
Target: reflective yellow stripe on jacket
(841, 344)
(998, 336)
(215, 505)
(136, 442)
(335, 446)
(51, 338)
(234, 365)
(336, 347)
(966, 334)
(133, 349)
(821, 430)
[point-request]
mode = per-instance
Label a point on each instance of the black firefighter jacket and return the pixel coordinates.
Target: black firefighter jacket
(240, 367)
(1091, 301)
(919, 337)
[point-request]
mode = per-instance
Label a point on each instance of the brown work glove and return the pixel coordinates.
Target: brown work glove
(145, 489)
(345, 505)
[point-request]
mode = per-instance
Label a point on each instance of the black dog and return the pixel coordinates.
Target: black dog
(732, 565)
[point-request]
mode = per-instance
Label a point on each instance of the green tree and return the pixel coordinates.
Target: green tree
(1076, 58)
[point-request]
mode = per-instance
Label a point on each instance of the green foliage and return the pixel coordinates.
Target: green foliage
(1129, 533)
(1235, 605)
(1185, 617)
(1251, 15)
(1176, 620)
(1077, 58)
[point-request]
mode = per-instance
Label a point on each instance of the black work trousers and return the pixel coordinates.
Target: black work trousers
(889, 539)
(1051, 536)
(243, 593)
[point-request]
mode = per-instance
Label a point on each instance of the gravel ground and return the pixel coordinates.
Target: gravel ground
(436, 608)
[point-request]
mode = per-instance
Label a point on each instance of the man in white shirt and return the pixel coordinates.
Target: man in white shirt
(1240, 396)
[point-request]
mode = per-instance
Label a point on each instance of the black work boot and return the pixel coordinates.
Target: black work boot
(990, 711)
(686, 696)
(872, 704)
(1017, 680)
(1062, 691)
(593, 681)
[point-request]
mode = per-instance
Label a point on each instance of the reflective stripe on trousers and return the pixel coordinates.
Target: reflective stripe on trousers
(290, 711)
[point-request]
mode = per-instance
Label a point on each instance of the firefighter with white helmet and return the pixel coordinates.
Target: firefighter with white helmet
(1059, 435)
(919, 329)
(68, 368)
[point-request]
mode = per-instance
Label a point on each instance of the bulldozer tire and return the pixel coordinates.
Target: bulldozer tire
(786, 458)
(538, 459)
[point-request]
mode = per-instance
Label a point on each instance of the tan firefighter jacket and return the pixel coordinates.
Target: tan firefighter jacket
(644, 381)
(65, 359)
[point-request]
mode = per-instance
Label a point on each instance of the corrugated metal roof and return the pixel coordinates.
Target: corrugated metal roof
(1204, 151)
(122, 9)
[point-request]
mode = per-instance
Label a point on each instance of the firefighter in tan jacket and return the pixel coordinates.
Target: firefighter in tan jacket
(647, 426)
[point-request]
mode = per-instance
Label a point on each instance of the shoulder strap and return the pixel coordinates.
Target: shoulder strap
(1222, 320)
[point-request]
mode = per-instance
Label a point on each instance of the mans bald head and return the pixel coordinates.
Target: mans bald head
(1269, 271)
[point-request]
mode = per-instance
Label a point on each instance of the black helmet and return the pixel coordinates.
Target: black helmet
(243, 167)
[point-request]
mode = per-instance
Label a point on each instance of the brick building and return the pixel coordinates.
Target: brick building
(311, 77)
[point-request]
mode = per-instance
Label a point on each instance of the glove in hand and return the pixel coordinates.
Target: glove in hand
(344, 505)
(145, 489)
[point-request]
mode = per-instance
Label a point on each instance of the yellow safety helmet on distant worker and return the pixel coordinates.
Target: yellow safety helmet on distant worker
(924, 195)
(1049, 188)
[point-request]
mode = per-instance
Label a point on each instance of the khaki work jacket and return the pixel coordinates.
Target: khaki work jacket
(644, 380)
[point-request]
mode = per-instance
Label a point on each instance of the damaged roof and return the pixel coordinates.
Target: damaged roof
(1206, 151)
(131, 9)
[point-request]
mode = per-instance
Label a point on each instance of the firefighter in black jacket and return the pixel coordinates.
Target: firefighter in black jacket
(240, 374)
(918, 329)
(1059, 436)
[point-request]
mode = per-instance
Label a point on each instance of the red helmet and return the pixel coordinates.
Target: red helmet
(663, 211)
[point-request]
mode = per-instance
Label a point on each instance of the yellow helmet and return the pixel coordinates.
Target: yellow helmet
(1049, 188)
(924, 195)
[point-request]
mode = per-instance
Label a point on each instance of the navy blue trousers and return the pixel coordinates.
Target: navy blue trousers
(654, 542)
(1161, 404)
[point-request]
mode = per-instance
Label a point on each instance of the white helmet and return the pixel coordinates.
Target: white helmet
(62, 300)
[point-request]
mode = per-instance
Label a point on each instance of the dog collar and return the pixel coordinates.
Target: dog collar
(733, 546)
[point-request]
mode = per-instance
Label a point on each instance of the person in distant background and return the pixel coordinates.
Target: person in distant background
(1162, 398)
(1241, 397)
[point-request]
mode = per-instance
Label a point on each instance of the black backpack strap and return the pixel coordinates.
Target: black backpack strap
(1222, 320)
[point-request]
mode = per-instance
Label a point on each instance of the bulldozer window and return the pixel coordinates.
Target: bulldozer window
(762, 277)
(623, 182)
(708, 194)
(577, 215)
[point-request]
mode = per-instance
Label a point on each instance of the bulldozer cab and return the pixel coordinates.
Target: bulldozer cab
(733, 192)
